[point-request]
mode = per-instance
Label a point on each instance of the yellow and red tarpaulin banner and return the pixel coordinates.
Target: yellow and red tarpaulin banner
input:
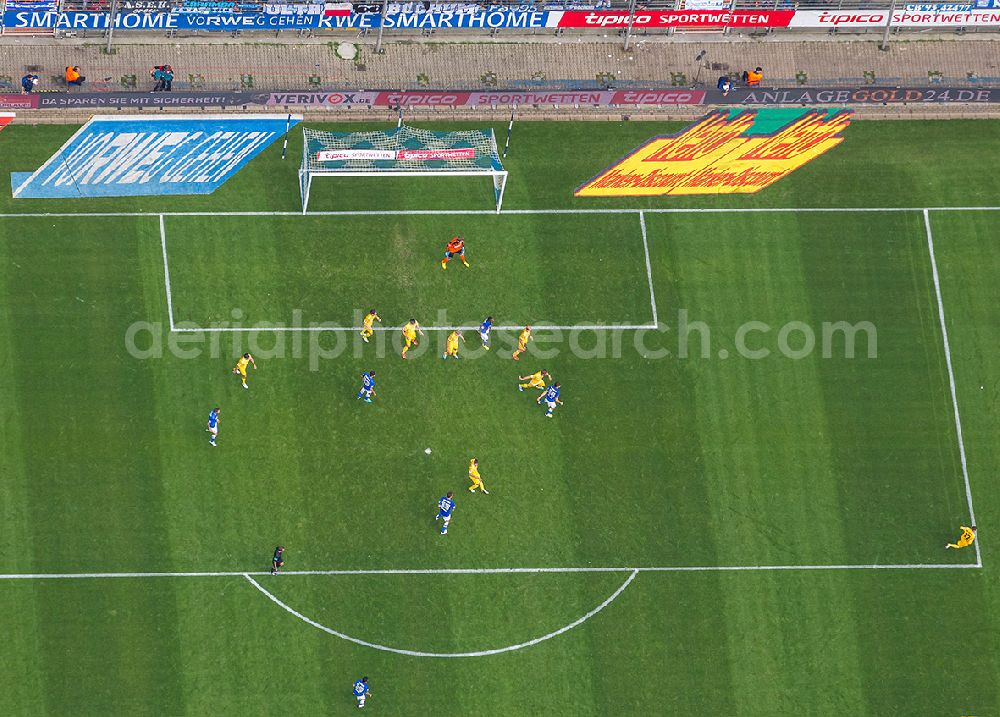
(725, 152)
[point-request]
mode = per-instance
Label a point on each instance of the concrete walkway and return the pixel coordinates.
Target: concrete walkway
(570, 62)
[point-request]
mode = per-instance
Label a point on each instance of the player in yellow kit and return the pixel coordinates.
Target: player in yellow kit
(477, 481)
(370, 318)
(452, 348)
(241, 367)
(410, 331)
(967, 539)
(535, 380)
(522, 343)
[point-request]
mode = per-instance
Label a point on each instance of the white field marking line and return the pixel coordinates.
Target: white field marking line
(535, 327)
(649, 268)
(951, 378)
(491, 212)
(166, 274)
(478, 653)
(490, 571)
(266, 328)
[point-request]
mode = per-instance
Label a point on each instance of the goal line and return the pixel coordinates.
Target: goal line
(492, 571)
(490, 212)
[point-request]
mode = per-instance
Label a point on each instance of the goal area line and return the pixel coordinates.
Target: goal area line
(492, 571)
(535, 327)
(265, 326)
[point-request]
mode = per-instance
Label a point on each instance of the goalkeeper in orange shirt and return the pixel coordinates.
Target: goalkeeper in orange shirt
(455, 246)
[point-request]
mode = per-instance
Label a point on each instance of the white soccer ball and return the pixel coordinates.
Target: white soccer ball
(427, 451)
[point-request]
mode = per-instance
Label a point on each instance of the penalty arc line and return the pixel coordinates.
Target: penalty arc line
(951, 377)
(416, 653)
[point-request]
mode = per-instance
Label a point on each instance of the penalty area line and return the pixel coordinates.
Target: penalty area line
(951, 377)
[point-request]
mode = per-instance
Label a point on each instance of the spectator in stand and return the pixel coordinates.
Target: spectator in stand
(28, 83)
(164, 76)
(754, 77)
(157, 74)
(73, 77)
(724, 84)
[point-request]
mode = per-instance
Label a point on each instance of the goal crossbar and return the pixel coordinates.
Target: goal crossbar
(402, 152)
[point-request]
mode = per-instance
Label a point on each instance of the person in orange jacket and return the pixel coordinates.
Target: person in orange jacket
(754, 77)
(73, 77)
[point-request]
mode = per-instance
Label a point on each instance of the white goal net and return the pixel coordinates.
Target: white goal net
(400, 152)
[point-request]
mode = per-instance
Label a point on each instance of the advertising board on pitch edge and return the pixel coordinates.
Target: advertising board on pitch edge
(125, 156)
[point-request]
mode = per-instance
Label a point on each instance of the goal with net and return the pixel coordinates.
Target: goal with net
(400, 152)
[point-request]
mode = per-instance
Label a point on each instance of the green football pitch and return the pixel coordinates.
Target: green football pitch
(778, 409)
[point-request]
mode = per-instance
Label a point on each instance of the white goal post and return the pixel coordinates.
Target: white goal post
(400, 152)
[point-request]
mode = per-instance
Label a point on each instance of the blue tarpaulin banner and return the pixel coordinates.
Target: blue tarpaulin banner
(133, 156)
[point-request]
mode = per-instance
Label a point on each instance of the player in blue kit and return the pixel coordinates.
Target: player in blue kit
(213, 425)
(551, 398)
(361, 692)
(446, 506)
(367, 386)
(484, 332)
